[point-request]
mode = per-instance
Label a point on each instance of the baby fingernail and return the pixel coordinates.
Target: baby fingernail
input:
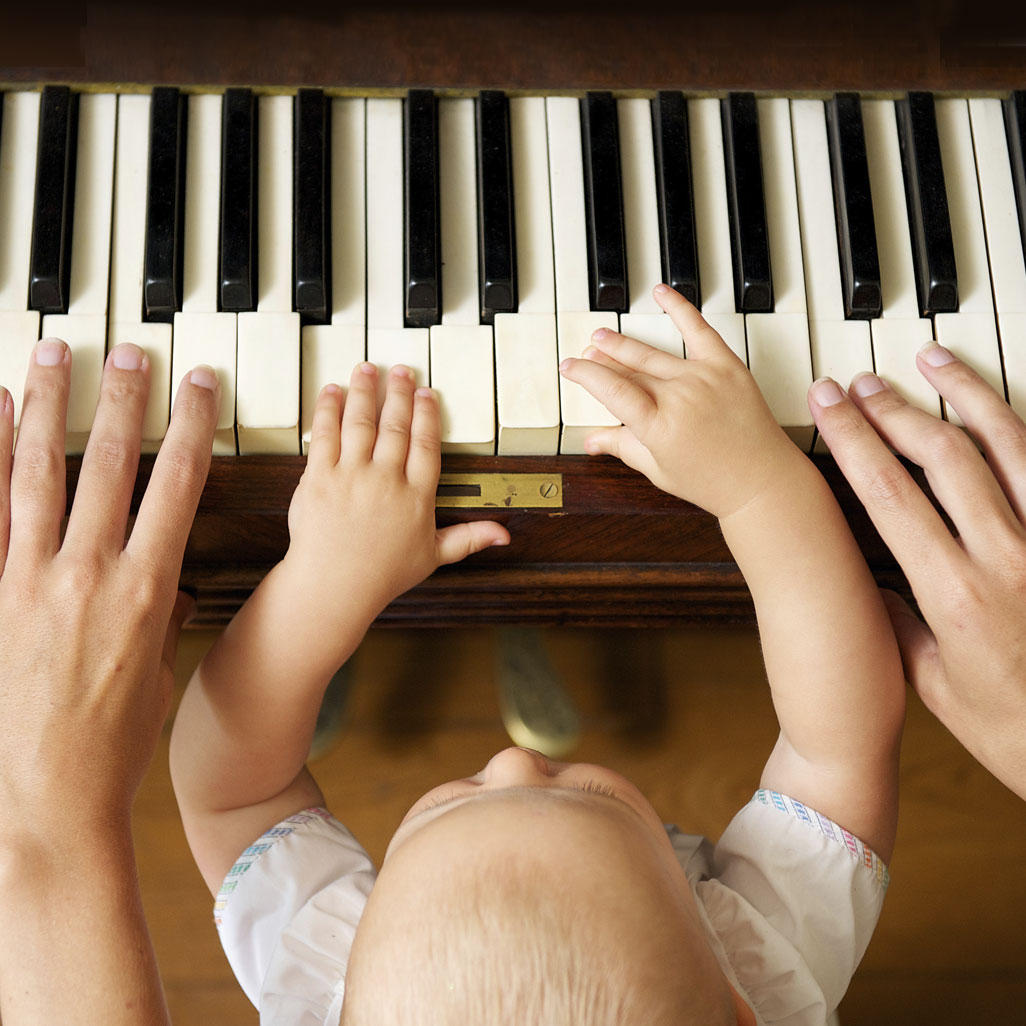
(826, 392)
(866, 385)
(935, 354)
(205, 377)
(127, 357)
(49, 352)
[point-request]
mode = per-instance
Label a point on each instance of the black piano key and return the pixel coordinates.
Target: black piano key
(929, 224)
(746, 204)
(53, 215)
(238, 263)
(1015, 129)
(603, 203)
(853, 208)
(677, 237)
(423, 244)
(311, 224)
(165, 206)
(495, 228)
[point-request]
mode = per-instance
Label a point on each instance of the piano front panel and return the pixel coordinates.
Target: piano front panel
(586, 222)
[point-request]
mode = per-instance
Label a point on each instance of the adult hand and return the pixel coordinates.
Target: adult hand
(88, 629)
(968, 661)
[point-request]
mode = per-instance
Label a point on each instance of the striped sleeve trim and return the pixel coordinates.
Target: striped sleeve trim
(261, 846)
(858, 850)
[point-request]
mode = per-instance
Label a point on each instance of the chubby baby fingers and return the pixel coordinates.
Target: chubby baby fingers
(461, 540)
(325, 428)
(618, 392)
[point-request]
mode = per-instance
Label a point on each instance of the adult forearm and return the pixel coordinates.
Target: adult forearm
(830, 654)
(243, 730)
(74, 946)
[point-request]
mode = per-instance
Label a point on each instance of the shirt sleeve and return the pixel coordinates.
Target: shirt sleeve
(793, 899)
(288, 909)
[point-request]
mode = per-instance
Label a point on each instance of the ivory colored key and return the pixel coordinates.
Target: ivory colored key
(331, 351)
(779, 354)
(388, 341)
(1004, 246)
(526, 373)
(84, 326)
(840, 348)
(971, 333)
(899, 332)
(267, 387)
(644, 319)
(575, 322)
(19, 326)
(202, 334)
(127, 260)
(712, 225)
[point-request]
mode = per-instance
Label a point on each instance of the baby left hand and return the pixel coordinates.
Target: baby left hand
(362, 520)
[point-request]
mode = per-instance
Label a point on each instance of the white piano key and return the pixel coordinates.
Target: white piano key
(532, 205)
(640, 205)
(410, 346)
(779, 350)
(348, 213)
(329, 352)
(19, 326)
(840, 348)
(712, 224)
(462, 374)
(210, 338)
(267, 370)
(654, 328)
(575, 322)
(1004, 244)
(971, 333)
(84, 326)
(385, 213)
(126, 267)
(900, 332)
(458, 202)
(527, 384)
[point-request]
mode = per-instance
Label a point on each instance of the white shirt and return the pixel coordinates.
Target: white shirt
(789, 901)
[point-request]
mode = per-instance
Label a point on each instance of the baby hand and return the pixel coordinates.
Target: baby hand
(362, 520)
(698, 428)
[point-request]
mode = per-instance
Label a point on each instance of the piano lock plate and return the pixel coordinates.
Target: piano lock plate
(512, 491)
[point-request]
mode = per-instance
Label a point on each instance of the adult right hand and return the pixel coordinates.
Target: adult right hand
(968, 660)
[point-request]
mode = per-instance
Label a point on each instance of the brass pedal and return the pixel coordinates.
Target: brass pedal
(536, 710)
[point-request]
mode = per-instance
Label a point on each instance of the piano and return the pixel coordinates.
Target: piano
(479, 232)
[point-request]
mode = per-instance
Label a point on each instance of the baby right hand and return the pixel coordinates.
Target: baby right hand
(697, 428)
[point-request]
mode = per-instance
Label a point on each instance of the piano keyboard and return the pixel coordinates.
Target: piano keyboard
(481, 239)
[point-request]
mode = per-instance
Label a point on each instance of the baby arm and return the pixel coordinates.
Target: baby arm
(362, 531)
(700, 429)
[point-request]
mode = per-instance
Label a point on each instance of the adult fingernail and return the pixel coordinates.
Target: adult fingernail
(936, 355)
(826, 392)
(50, 352)
(204, 376)
(127, 357)
(866, 385)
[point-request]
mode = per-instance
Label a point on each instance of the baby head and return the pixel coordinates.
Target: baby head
(534, 892)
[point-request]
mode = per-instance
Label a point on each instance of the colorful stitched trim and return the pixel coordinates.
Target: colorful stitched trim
(859, 851)
(263, 844)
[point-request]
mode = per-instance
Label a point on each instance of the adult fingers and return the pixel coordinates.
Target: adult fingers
(37, 478)
(957, 474)
(326, 428)
(6, 444)
(461, 540)
(99, 513)
(988, 417)
(393, 441)
(905, 518)
(620, 393)
(918, 647)
(168, 506)
(701, 340)
(424, 458)
(360, 414)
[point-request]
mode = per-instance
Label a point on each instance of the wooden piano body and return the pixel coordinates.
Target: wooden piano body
(618, 551)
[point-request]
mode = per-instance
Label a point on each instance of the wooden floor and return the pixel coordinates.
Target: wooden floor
(686, 715)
